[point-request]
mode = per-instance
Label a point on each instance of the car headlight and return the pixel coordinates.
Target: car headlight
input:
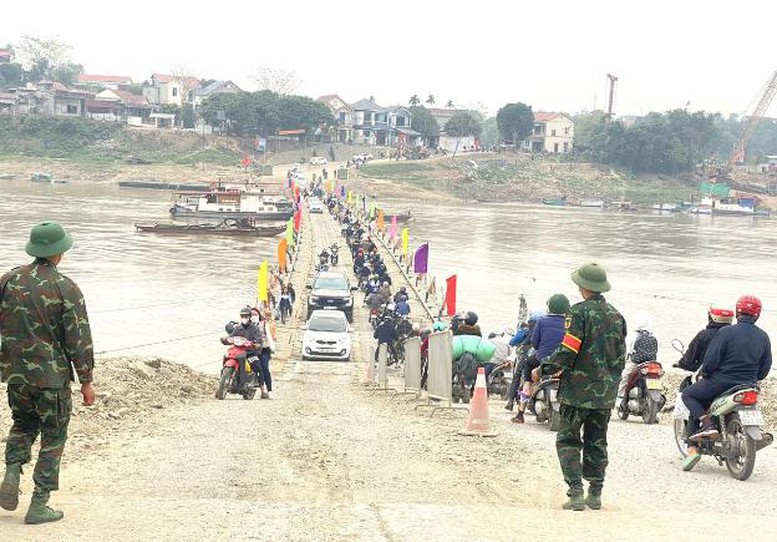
(313, 300)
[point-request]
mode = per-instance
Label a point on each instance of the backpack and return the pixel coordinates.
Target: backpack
(645, 347)
(466, 365)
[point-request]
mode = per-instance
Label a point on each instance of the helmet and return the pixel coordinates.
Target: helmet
(245, 311)
(592, 277)
(558, 304)
(720, 316)
(534, 316)
(749, 305)
(48, 239)
(491, 335)
(391, 307)
(403, 289)
(470, 318)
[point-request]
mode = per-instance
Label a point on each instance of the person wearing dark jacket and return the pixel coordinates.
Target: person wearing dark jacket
(739, 354)
(386, 333)
(545, 339)
(694, 356)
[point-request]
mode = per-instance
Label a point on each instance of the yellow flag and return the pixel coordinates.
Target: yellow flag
(405, 238)
(349, 196)
(263, 281)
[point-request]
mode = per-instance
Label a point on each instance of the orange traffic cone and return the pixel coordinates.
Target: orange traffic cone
(479, 422)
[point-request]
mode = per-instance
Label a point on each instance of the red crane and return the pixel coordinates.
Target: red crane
(751, 123)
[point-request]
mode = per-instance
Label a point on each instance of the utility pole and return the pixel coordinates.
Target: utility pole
(612, 79)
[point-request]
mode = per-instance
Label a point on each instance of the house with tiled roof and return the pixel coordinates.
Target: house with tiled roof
(552, 133)
(113, 82)
(171, 89)
(387, 126)
(216, 87)
(119, 105)
(54, 98)
(5, 55)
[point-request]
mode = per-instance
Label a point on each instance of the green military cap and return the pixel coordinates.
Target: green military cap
(592, 277)
(48, 239)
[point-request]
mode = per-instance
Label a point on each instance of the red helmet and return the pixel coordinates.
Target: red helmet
(749, 305)
(721, 316)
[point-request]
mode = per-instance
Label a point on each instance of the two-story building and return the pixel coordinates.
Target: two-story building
(367, 123)
(171, 89)
(119, 105)
(342, 112)
(216, 87)
(446, 141)
(552, 133)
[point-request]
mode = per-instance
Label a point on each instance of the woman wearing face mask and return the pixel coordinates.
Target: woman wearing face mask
(267, 327)
(249, 330)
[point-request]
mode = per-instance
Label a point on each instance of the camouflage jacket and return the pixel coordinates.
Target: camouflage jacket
(591, 355)
(43, 327)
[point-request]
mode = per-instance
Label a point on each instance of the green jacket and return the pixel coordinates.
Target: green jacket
(44, 328)
(591, 355)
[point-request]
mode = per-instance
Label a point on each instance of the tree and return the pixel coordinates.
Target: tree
(464, 124)
(187, 116)
(490, 134)
(423, 122)
(280, 81)
(449, 104)
(414, 100)
(39, 57)
(11, 75)
(66, 73)
(430, 99)
(515, 122)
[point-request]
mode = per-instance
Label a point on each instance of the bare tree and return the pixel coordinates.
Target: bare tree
(280, 81)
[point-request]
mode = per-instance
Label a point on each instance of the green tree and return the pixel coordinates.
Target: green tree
(423, 122)
(187, 116)
(449, 104)
(11, 75)
(66, 73)
(515, 122)
(464, 124)
(39, 57)
(414, 100)
(490, 134)
(430, 99)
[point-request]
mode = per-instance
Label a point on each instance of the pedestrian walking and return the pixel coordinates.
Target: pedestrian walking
(590, 358)
(45, 341)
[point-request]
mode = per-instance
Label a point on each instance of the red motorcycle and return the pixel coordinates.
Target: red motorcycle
(644, 393)
(236, 374)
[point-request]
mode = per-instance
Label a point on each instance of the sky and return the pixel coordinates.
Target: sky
(554, 56)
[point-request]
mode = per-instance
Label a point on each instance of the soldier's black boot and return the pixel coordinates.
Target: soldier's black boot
(9, 489)
(39, 511)
(594, 497)
(576, 502)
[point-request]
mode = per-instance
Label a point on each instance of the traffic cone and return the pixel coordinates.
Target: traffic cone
(478, 421)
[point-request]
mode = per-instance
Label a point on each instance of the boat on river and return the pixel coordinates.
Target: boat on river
(592, 203)
(728, 207)
(554, 201)
(231, 204)
(230, 226)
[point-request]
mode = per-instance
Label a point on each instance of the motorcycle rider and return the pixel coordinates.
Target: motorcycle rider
(401, 294)
(385, 292)
(521, 341)
(386, 332)
(545, 338)
(468, 326)
(717, 318)
(248, 330)
(739, 354)
(641, 346)
(402, 307)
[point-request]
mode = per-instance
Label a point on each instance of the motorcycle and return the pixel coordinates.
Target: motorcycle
(230, 380)
(643, 395)
(543, 402)
(738, 418)
(323, 258)
(499, 379)
(334, 257)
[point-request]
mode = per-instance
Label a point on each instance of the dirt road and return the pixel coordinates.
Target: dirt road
(328, 460)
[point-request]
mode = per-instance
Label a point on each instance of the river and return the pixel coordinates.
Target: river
(169, 296)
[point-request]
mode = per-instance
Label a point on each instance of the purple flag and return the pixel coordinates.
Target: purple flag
(421, 258)
(342, 191)
(393, 230)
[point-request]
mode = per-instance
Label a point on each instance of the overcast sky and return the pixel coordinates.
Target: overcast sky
(554, 56)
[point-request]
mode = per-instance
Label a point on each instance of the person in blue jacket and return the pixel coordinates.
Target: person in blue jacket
(739, 354)
(545, 338)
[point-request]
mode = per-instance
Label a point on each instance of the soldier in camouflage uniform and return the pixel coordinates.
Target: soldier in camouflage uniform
(45, 337)
(591, 356)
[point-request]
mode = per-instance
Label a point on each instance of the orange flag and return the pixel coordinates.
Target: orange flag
(381, 224)
(282, 244)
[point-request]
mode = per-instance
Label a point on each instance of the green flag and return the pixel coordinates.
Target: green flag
(290, 232)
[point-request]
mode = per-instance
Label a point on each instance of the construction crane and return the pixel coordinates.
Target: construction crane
(751, 123)
(613, 80)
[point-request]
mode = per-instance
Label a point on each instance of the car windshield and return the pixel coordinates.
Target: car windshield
(331, 283)
(322, 323)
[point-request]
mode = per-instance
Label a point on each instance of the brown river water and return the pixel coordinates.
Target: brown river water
(169, 296)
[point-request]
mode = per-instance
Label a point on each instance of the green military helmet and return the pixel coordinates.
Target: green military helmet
(558, 304)
(592, 277)
(48, 239)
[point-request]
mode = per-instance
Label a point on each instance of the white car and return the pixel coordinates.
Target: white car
(327, 336)
(318, 161)
(315, 206)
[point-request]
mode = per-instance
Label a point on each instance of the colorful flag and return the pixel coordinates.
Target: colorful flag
(296, 194)
(282, 255)
(297, 220)
(405, 239)
(372, 210)
(421, 259)
(342, 191)
(450, 295)
(381, 221)
(393, 230)
(262, 282)
(290, 232)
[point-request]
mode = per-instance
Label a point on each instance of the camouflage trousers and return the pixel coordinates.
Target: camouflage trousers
(44, 411)
(593, 445)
